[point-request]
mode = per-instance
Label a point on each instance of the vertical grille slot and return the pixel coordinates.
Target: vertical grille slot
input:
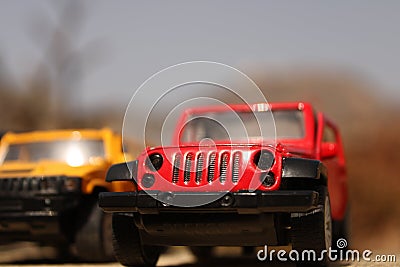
(43, 184)
(199, 167)
(175, 171)
(211, 167)
(15, 184)
(3, 184)
(223, 169)
(188, 166)
(8, 186)
(236, 167)
(35, 184)
(25, 184)
(18, 186)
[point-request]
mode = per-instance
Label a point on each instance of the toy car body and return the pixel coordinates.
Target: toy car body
(49, 184)
(288, 190)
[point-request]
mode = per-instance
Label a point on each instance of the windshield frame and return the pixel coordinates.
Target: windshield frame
(243, 126)
(6, 147)
(309, 123)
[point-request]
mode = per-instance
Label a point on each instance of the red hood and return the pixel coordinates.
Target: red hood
(220, 145)
(295, 148)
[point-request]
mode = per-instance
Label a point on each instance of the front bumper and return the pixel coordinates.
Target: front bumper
(38, 206)
(234, 219)
(47, 217)
(239, 202)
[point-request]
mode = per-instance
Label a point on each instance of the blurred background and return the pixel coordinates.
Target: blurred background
(77, 63)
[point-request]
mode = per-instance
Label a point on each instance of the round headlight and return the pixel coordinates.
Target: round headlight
(154, 161)
(264, 159)
(148, 180)
(267, 179)
(72, 184)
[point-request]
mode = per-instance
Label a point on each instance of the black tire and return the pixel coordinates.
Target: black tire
(127, 243)
(202, 253)
(93, 240)
(63, 252)
(313, 231)
(340, 230)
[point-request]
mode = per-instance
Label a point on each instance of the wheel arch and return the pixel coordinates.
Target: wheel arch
(303, 173)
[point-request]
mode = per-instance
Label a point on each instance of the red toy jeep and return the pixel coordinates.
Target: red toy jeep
(221, 186)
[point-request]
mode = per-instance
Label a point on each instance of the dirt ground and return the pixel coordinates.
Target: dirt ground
(29, 255)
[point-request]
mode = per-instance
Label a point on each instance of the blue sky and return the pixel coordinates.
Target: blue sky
(139, 38)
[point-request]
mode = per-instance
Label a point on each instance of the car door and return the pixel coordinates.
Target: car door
(330, 152)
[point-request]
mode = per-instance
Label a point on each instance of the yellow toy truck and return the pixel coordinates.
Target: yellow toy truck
(49, 184)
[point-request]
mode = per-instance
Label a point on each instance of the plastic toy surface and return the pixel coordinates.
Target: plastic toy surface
(288, 188)
(49, 184)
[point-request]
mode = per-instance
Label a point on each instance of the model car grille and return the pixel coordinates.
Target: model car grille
(206, 167)
(31, 185)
